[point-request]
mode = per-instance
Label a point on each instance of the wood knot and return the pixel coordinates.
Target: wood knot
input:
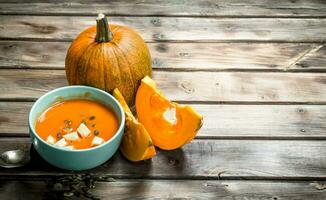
(172, 161)
(301, 65)
(300, 110)
(161, 48)
(156, 21)
(45, 57)
(158, 36)
(157, 62)
(184, 54)
(187, 87)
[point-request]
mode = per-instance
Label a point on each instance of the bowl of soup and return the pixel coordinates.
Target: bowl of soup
(76, 127)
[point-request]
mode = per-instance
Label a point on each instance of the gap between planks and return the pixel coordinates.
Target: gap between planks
(204, 41)
(45, 176)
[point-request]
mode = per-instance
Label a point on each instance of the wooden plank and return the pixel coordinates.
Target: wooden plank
(166, 189)
(169, 28)
(188, 86)
(220, 121)
(202, 159)
(278, 8)
(185, 56)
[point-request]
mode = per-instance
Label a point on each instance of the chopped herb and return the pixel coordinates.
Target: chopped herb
(96, 132)
(92, 118)
(59, 135)
(93, 125)
(150, 143)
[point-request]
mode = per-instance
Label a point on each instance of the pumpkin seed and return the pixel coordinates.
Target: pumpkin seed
(68, 122)
(59, 135)
(67, 129)
(96, 132)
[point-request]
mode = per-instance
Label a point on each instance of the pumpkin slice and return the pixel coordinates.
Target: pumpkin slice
(136, 143)
(153, 110)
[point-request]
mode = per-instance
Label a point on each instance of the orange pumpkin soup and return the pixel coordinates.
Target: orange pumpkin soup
(77, 124)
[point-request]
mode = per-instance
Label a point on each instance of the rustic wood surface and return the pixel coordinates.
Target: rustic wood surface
(188, 86)
(216, 8)
(227, 121)
(189, 189)
(254, 69)
(202, 159)
(63, 28)
(183, 56)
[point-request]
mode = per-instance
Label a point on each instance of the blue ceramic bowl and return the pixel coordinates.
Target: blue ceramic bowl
(76, 159)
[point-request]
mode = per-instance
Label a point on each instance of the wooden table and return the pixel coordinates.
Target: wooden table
(254, 69)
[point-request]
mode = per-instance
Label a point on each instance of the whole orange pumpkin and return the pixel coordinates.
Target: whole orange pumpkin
(107, 57)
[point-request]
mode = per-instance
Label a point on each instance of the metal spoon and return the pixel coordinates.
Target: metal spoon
(14, 158)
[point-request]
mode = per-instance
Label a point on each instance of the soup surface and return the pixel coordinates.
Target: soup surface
(63, 124)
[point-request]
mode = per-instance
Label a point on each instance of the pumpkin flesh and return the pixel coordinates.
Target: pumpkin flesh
(151, 106)
(136, 143)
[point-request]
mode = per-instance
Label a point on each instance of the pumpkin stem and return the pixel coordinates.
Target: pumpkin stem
(103, 33)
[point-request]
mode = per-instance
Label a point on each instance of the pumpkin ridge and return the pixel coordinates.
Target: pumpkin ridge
(117, 60)
(72, 73)
(103, 67)
(79, 65)
(130, 72)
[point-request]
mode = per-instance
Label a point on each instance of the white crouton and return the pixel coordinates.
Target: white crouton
(61, 143)
(97, 141)
(83, 130)
(50, 139)
(73, 136)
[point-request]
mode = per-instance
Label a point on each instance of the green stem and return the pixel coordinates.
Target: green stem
(103, 33)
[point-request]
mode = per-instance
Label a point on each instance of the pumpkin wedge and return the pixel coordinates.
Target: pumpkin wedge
(136, 143)
(153, 110)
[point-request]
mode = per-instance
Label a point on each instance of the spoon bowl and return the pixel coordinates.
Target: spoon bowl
(14, 158)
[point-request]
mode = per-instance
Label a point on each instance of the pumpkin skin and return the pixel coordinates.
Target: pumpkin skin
(120, 61)
(136, 144)
(151, 106)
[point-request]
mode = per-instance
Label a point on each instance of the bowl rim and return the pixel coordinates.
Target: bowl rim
(89, 88)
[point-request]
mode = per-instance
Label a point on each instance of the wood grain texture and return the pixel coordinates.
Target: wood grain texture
(179, 56)
(188, 86)
(202, 159)
(169, 28)
(166, 189)
(220, 121)
(314, 59)
(276, 8)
